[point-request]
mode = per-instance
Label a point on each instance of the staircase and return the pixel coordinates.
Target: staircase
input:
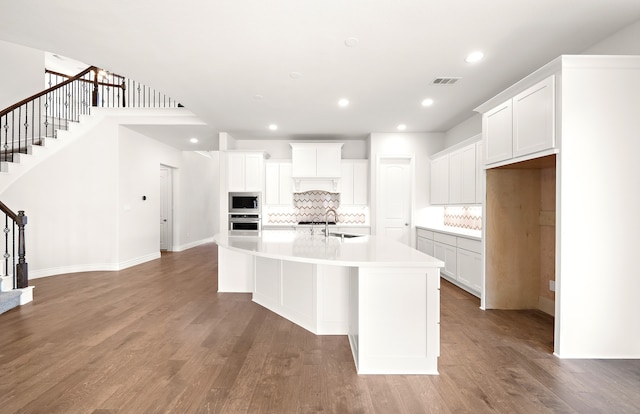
(38, 122)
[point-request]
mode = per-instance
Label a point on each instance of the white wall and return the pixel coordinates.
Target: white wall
(85, 208)
(71, 201)
(197, 198)
(624, 42)
(464, 130)
(21, 73)
(421, 146)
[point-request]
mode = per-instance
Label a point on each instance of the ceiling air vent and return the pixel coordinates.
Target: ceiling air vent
(445, 81)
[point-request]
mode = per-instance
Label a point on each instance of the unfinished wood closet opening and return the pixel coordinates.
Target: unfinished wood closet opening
(520, 235)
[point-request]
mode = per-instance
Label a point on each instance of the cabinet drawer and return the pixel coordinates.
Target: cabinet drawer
(425, 234)
(471, 245)
(445, 238)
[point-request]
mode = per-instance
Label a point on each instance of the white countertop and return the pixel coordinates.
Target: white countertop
(455, 231)
(369, 251)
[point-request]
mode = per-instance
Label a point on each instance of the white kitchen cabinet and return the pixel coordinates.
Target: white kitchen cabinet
(534, 118)
(521, 126)
(245, 171)
(278, 183)
(440, 180)
(462, 257)
(462, 176)
(479, 173)
(454, 174)
(316, 160)
(497, 127)
(469, 263)
(354, 182)
(444, 248)
(424, 241)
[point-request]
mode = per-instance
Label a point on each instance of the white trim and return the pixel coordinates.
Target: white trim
(192, 244)
(93, 267)
(26, 295)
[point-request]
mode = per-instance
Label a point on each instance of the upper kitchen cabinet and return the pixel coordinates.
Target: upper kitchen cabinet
(245, 170)
(462, 176)
(479, 173)
(354, 182)
(454, 174)
(440, 180)
(278, 183)
(316, 160)
(521, 127)
(497, 125)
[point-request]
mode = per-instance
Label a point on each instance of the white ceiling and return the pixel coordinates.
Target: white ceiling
(232, 63)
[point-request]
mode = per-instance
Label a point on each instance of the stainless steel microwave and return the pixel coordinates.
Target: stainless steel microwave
(245, 203)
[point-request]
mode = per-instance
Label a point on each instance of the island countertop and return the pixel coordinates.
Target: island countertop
(370, 251)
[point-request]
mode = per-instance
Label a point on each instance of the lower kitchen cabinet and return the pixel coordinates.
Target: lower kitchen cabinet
(462, 257)
(424, 241)
(447, 254)
(470, 269)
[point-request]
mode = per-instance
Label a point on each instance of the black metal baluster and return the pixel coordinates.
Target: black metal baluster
(13, 133)
(6, 246)
(40, 120)
(13, 256)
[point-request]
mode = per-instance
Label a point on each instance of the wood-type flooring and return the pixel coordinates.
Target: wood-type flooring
(158, 338)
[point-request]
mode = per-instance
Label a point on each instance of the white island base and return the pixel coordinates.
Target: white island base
(390, 310)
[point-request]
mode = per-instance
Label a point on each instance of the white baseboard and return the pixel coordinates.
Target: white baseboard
(93, 267)
(192, 244)
(26, 295)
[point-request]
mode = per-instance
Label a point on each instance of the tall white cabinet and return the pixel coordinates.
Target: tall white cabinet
(585, 109)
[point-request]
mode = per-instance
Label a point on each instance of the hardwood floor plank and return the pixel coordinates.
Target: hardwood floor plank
(159, 338)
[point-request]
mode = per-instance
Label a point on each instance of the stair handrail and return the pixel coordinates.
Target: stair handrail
(21, 279)
(49, 90)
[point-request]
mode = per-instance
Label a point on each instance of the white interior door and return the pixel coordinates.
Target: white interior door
(165, 208)
(395, 198)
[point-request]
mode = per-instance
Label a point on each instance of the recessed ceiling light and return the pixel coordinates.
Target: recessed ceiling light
(402, 127)
(352, 42)
(273, 127)
(343, 102)
(427, 102)
(193, 140)
(474, 57)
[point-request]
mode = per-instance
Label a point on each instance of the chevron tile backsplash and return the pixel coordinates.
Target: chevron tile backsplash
(311, 206)
(465, 217)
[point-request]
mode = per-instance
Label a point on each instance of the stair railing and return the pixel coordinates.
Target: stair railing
(14, 225)
(27, 122)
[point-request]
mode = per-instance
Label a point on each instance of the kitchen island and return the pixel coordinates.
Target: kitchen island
(383, 294)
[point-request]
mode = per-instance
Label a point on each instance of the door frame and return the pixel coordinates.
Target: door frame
(169, 200)
(378, 219)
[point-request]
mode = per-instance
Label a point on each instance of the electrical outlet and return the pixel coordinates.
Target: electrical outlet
(552, 285)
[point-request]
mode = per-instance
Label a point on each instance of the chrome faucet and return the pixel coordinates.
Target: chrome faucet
(326, 220)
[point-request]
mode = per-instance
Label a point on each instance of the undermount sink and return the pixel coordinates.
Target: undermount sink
(345, 235)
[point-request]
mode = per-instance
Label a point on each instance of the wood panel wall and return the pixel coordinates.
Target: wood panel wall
(520, 236)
